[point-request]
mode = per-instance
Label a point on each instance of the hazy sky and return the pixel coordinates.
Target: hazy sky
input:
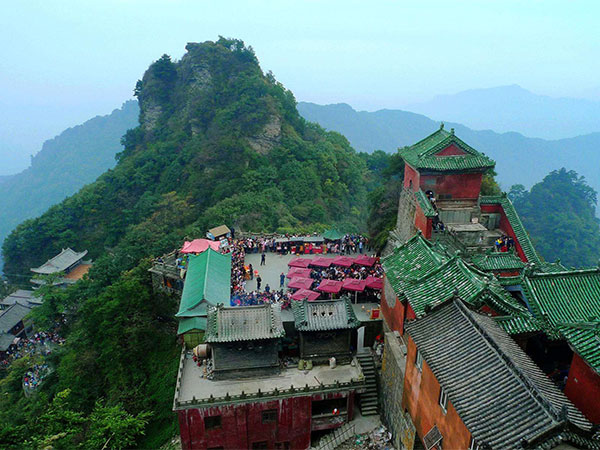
(64, 62)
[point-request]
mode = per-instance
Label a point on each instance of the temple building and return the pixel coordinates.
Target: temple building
(453, 242)
(68, 264)
(12, 326)
(242, 394)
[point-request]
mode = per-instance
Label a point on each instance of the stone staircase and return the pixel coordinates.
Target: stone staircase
(369, 400)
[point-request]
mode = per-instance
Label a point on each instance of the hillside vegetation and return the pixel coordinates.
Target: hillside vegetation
(560, 215)
(218, 142)
(66, 163)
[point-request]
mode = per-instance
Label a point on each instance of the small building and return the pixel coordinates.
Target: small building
(68, 263)
(248, 399)
(325, 328)
(24, 297)
(244, 340)
(207, 283)
(218, 233)
(469, 385)
(12, 325)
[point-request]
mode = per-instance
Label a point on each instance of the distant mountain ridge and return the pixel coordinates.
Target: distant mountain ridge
(513, 108)
(65, 163)
(519, 159)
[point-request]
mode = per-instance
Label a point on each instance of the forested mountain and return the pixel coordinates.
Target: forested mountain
(560, 215)
(513, 108)
(66, 163)
(218, 142)
(519, 160)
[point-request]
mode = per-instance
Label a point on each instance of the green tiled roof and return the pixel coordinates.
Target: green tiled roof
(518, 323)
(422, 155)
(565, 302)
(208, 281)
(550, 267)
(191, 323)
(323, 315)
(413, 259)
(244, 323)
(498, 261)
(425, 203)
(517, 226)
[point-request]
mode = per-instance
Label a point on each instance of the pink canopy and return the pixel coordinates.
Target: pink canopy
(330, 286)
(354, 284)
(298, 272)
(321, 261)
(301, 294)
(303, 263)
(199, 246)
(374, 282)
(344, 261)
(365, 260)
(300, 283)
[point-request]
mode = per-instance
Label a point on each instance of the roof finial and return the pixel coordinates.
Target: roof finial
(442, 126)
(451, 130)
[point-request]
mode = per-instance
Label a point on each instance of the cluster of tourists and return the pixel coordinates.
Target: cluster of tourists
(504, 243)
(37, 344)
(34, 376)
(341, 273)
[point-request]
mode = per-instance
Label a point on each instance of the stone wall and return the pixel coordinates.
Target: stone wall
(392, 383)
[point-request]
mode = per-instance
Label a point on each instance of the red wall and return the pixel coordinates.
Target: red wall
(460, 186)
(396, 316)
(421, 399)
(451, 150)
(411, 174)
(505, 226)
(423, 223)
(241, 424)
(583, 388)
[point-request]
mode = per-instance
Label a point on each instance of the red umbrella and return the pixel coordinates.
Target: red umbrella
(365, 260)
(321, 261)
(344, 261)
(301, 294)
(374, 282)
(298, 272)
(330, 286)
(354, 284)
(199, 246)
(300, 283)
(303, 263)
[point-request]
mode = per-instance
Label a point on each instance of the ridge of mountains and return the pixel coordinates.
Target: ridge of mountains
(64, 164)
(519, 159)
(515, 109)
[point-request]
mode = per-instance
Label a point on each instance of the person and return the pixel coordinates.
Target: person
(251, 271)
(267, 288)
(258, 281)
(262, 258)
(281, 280)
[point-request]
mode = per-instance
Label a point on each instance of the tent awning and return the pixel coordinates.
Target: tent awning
(299, 262)
(374, 282)
(343, 261)
(321, 261)
(199, 246)
(296, 272)
(330, 286)
(365, 260)
(333, 235)
(354, 284)
(300, 283)
(301, 294)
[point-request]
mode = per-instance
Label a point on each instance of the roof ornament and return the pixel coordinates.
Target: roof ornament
(452, 131)
(442, 126)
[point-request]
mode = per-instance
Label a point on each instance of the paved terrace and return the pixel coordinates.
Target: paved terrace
(194, 390)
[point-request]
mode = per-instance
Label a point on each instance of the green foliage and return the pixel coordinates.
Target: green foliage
(218, 142)
(560, 215)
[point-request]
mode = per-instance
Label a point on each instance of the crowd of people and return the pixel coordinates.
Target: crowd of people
(260, 298)
(285, 244)
(37, 344)
(34, 376)
(504, 243)
(341, 273)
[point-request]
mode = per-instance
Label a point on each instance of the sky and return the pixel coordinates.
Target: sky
(67, 61)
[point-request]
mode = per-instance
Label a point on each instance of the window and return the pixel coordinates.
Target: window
(212, 422)
(283, 445)
(269, 416)
(419, 360)
(260, 445)
(473, 445)
(444, 400)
